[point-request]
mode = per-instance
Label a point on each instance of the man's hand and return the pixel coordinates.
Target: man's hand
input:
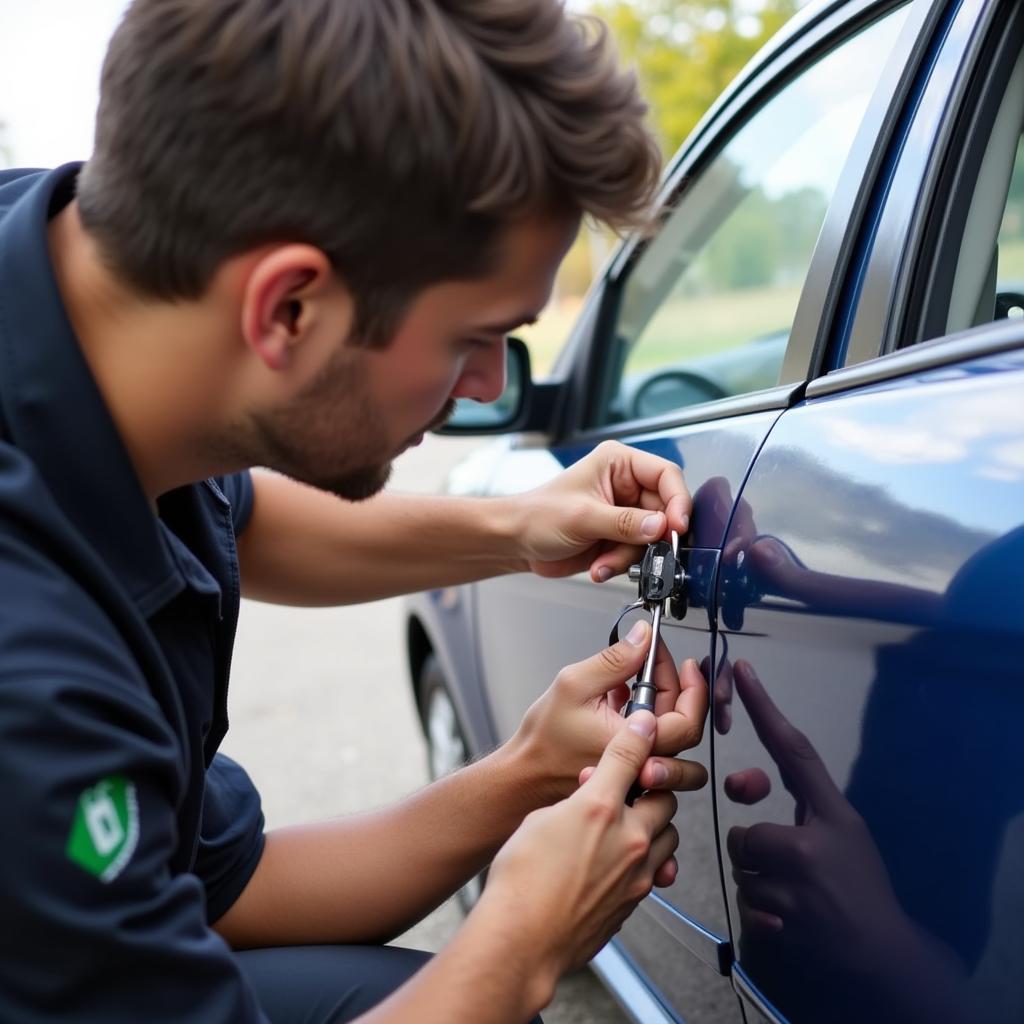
(600, 512)
(572, 873)
(568, 727)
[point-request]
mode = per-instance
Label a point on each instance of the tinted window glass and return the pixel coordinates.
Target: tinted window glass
(706, 312)
(989, 280)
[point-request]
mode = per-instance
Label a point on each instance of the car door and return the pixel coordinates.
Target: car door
(691, 347)
(869, 690)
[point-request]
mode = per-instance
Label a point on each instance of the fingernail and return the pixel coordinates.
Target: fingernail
(637, 634)
(604, 574)
(651, 526)
(642, 722)
(685, 523)
(659, 773)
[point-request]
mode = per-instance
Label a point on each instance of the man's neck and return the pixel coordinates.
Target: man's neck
(157, 365)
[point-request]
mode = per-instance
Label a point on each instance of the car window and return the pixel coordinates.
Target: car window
(989, 281)
(706, 311)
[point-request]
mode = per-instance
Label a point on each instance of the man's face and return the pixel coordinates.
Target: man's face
(368, 405)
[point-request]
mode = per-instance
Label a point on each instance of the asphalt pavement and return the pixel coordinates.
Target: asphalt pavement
(323, 720)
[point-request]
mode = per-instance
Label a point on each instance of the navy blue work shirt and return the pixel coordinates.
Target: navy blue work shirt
(122, 832)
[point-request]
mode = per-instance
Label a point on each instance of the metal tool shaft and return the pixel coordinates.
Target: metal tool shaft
(655, 634)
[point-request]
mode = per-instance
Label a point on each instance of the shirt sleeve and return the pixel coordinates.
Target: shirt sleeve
(95, 925)
(237, 488)
(231, 842)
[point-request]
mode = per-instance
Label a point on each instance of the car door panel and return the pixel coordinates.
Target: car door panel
(661, 951)
(870, 750)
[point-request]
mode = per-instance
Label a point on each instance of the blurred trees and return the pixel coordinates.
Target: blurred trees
(687, 51)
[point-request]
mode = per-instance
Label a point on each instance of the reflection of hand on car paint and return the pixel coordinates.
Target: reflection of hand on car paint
(820, 886)
(712, 507)
(775, 569)
(822, 875)
(721, 694)
(756, 564)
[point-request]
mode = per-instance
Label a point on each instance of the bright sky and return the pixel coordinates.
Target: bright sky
(50, 57)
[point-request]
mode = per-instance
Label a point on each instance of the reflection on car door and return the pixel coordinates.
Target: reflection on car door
(869, 691)
(869, 686)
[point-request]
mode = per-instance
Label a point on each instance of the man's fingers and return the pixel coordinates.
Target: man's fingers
(614, 561)
(683, 727)
(624, 756)
(630, 527)
(610, 667)
(675, 774)
(667, 873)
(634, 471)
(669, 774)
(663, 846)
(619, 697)
(655, 811)
(666, 679)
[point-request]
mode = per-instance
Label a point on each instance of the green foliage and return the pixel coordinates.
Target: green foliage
(687, 51)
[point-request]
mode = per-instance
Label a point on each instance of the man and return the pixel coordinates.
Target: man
(305, 230)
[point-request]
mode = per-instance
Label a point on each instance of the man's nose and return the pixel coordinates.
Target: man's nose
(483, 375)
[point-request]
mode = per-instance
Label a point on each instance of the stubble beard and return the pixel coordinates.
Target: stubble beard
(301, 440)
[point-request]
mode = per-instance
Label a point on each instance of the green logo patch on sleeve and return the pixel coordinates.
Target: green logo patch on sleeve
(105, 831)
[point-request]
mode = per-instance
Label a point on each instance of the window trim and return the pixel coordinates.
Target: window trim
(939, 246)
(780, 397)
(756, 87)
(964, 346)
(820, 312)
(905, 204)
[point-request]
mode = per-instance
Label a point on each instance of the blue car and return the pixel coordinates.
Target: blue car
(826, 333)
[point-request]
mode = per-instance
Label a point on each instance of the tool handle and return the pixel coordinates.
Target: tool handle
(642, 699)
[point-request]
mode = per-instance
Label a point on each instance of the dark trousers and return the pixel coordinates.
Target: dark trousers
(326, 984)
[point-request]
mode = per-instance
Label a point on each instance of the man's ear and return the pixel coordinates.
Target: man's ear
(282, 301)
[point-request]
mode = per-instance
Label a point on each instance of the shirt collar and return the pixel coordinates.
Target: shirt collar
(54, 411)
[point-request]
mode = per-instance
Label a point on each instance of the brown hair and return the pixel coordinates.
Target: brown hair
(395, 135)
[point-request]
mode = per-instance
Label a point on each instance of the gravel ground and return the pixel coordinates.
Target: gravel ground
(319, 743)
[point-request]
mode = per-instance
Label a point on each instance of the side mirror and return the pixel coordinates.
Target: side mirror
(509, 411)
